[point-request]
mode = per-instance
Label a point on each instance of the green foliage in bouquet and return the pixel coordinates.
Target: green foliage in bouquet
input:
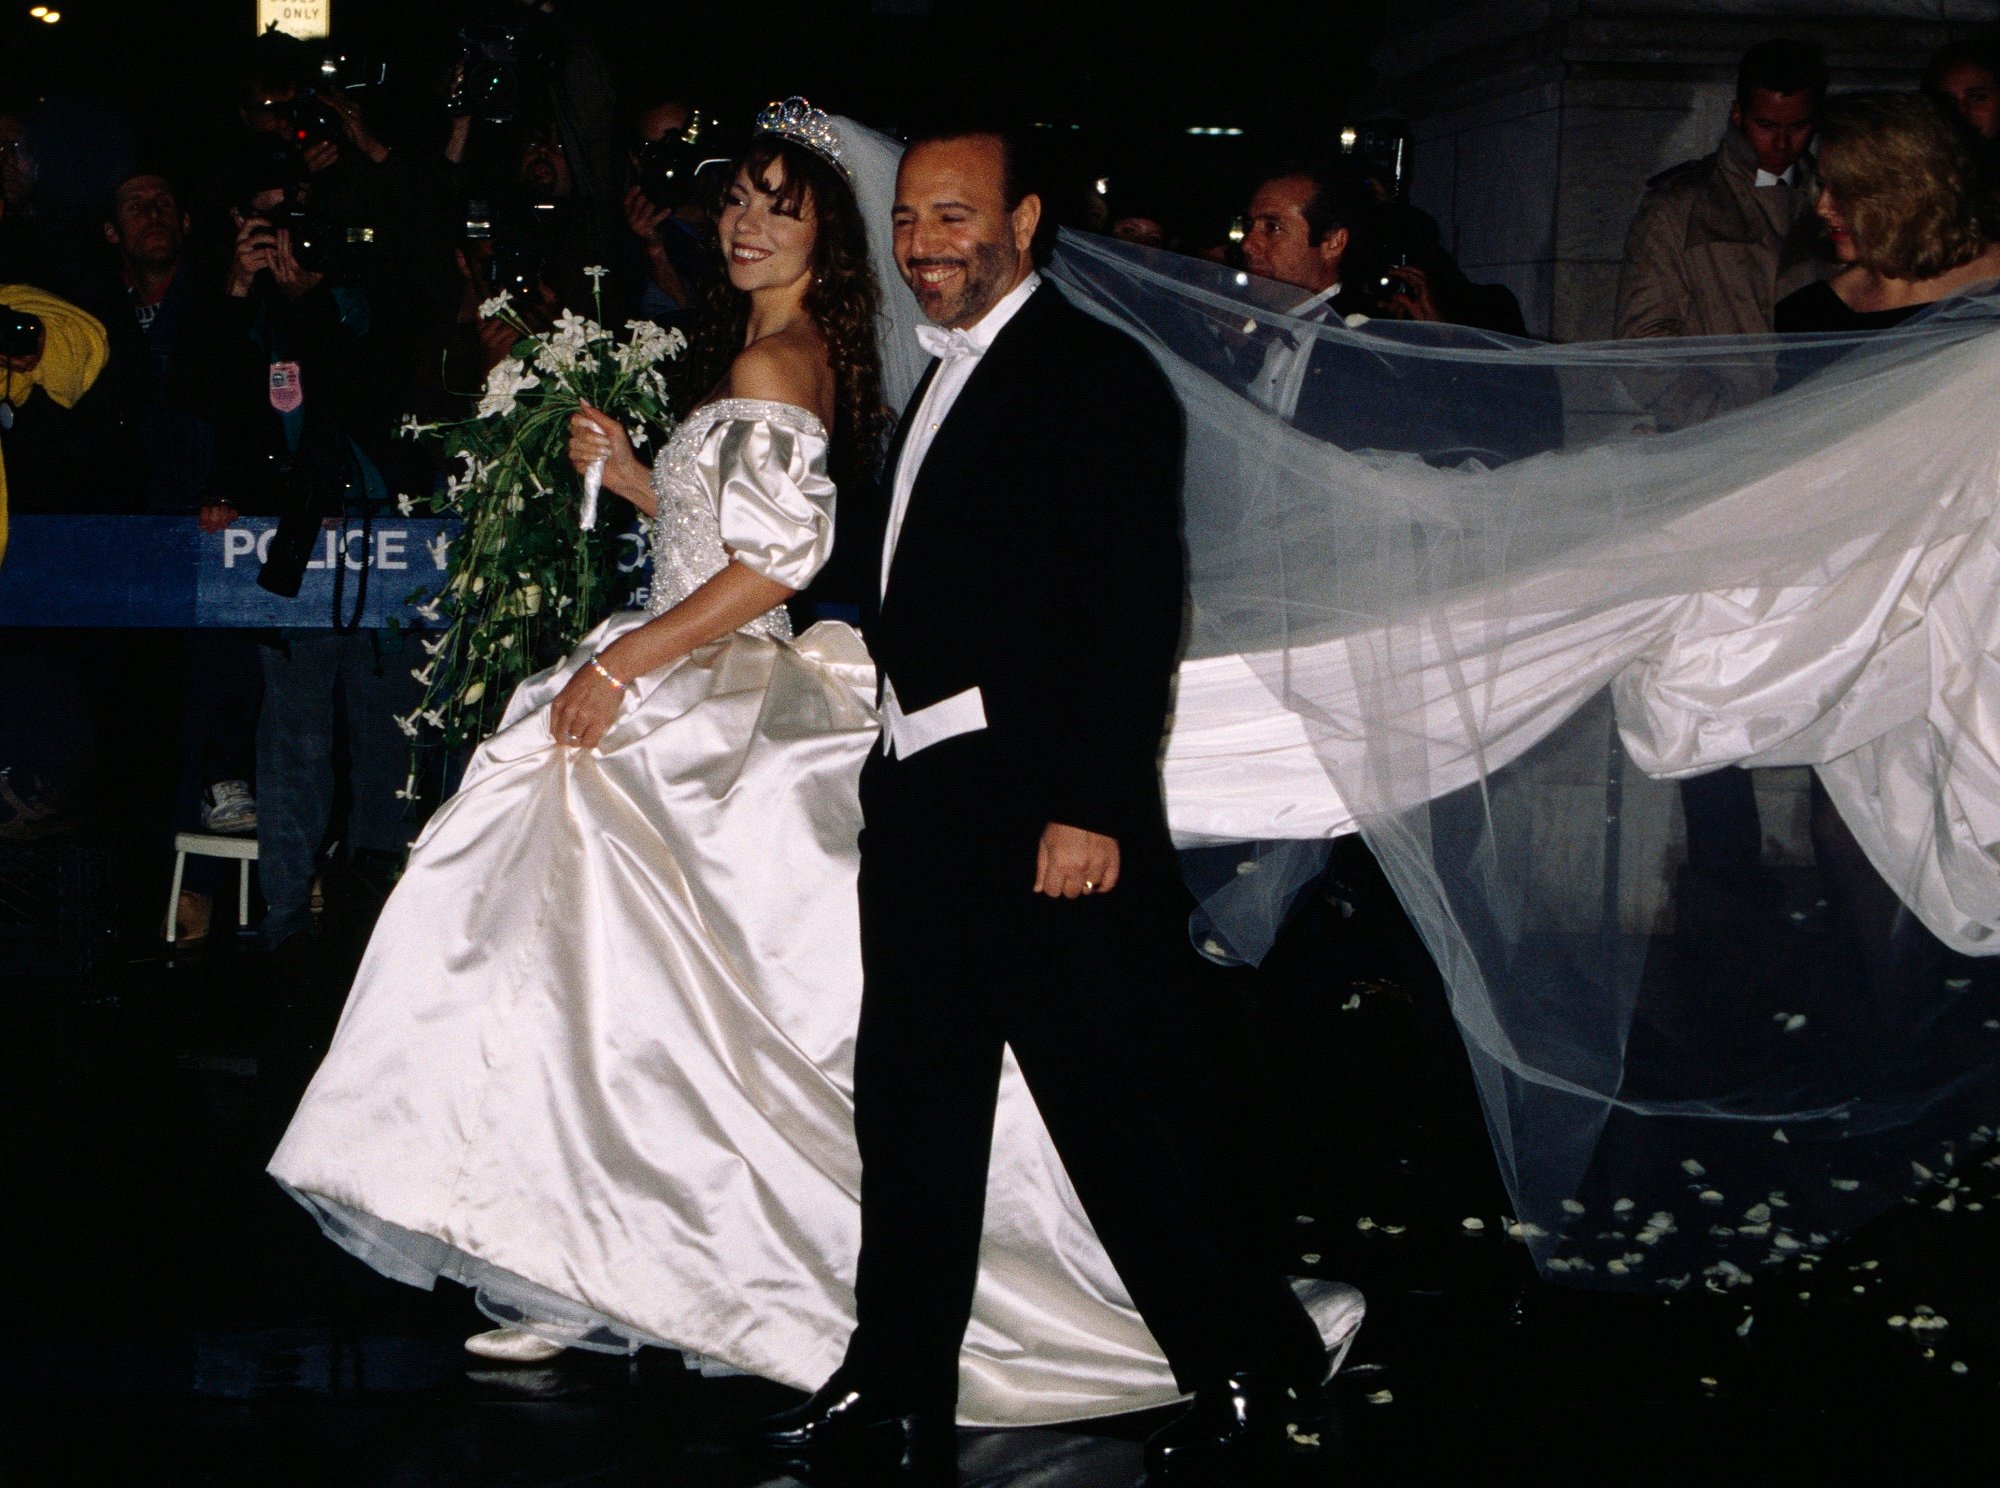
(532, 570)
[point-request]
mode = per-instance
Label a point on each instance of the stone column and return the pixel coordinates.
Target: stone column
(1535, 126)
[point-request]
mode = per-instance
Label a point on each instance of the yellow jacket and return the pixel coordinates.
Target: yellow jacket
(73, 353)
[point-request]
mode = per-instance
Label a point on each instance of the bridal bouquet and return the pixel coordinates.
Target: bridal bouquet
(531, 571)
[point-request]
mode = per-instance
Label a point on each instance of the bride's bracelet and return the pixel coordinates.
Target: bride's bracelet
(597, 666)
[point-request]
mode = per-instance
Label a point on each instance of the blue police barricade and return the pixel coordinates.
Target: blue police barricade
(165, 572)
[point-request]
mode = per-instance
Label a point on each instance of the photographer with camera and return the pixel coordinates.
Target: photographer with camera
(47, 727)
(45, 343)
(669, 211)
(283, 362)
(144, 304)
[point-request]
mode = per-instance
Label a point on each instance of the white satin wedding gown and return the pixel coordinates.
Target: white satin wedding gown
(597, 1061)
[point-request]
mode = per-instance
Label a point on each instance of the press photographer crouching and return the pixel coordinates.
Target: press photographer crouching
(282, 361)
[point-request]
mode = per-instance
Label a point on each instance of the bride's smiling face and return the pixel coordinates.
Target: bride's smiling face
(767, 243)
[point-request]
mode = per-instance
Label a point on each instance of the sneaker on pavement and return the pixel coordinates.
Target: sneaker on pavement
(229, 808)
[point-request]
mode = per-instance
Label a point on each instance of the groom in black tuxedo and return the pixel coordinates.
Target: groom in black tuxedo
(1017, 883)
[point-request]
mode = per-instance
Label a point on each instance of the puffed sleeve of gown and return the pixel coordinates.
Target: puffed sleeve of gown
(774, 500)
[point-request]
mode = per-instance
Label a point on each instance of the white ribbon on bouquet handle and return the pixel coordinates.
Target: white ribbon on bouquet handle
(593, 482)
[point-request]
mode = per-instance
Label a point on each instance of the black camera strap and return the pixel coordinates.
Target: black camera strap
(352, 622)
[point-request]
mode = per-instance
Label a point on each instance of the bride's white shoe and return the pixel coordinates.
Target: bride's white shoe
(1336, 1310)
(512, 1346)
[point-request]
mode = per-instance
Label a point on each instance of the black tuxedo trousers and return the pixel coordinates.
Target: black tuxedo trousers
(1095, 997)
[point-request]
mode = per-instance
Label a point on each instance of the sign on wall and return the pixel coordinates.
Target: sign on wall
(302, 18)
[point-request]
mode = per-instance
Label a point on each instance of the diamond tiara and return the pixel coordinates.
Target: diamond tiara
(795, 119)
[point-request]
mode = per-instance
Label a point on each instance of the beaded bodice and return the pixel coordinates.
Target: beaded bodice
(687, 530)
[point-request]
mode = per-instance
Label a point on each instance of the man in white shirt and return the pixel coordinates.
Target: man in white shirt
(1717, 242)
(1018, 890)
(1301, 223)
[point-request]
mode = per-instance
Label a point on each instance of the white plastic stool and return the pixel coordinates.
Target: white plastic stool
(210, 845)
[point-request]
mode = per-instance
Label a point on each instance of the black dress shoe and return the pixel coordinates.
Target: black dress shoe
(844, 1419)
(1245, 1419)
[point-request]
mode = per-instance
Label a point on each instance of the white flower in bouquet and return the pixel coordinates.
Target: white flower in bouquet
(578, 331)
(504, 384)
(526, 579)
(649, 344)
(490, 308)
(558, 355)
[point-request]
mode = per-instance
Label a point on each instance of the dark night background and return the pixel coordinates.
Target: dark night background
(1123, 82)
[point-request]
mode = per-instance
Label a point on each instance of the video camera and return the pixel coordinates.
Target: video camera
(515, 259)
(670, 166)
(320, 245)
(501, 57)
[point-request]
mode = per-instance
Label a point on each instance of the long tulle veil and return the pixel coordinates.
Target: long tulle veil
(1485, 602)
(870, 159)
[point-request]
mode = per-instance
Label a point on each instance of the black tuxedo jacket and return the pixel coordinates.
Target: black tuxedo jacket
(1040, 561)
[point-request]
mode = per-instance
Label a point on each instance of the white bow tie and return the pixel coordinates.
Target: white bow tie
(948, 345)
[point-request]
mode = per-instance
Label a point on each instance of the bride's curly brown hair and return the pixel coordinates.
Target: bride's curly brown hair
(841, 301)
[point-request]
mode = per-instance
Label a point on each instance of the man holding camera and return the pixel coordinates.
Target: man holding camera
(670, 224)
(49, 344)
(281, 361)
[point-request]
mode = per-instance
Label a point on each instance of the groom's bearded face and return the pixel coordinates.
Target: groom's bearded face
(958, 246)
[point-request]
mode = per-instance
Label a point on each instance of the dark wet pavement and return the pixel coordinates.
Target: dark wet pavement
(174, 1319)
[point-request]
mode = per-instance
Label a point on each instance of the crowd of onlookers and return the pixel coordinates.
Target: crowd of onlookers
(256, 326)
(249, 328)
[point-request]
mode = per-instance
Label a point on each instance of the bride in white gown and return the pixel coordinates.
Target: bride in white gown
(596, 1063)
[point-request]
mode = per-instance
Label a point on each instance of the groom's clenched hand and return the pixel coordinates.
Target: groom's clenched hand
(1071, 861)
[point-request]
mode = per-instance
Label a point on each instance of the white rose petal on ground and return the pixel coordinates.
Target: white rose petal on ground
(1472, 1225)
(1381, 1397)
(1571, 1206)
(1692, 1168)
